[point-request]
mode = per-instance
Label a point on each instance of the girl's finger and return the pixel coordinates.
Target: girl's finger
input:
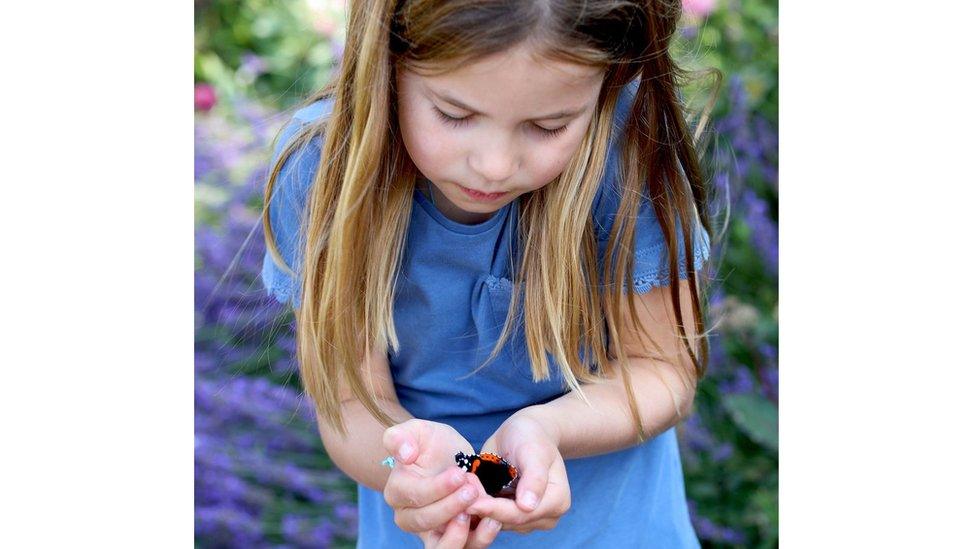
(541, 524)
(484, 534)
(456, 534)
(430, 538)
(407, 489)
(431, 516)
(534, 473)
(503, 510)
(400, 444)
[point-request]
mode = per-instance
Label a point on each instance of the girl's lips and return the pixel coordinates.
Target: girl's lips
(477, 195)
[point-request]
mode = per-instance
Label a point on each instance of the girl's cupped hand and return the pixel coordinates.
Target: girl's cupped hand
(542, 496)
(428, 492)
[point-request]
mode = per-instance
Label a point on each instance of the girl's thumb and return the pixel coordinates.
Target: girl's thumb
(534, 476)
(400, 445)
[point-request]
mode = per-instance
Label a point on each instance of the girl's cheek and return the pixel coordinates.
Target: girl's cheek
(430, 149)
(550, 167)
(424, 143)
(554, 163)
(438, 145)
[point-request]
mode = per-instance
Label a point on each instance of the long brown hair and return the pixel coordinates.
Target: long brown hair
(359, 203)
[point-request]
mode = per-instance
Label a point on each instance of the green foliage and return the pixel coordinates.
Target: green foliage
(273, 51)
(756, 416)
(730, 449)
(740, 37)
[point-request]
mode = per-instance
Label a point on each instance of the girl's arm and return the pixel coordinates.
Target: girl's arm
(425, 488)
(538, 438)
(581, 430)
(360, 452)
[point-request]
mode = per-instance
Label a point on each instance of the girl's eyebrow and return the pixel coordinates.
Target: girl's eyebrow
(460, 104)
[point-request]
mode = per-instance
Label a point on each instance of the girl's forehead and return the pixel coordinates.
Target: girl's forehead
(512, 83)
(512, 65)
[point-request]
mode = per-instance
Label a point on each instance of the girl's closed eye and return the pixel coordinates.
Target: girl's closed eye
(458, 122)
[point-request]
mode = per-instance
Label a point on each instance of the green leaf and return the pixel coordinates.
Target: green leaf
(764, 511)
(756, 416)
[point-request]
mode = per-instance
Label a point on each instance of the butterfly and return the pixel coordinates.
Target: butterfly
(498, 477)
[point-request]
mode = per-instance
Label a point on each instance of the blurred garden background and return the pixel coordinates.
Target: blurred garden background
(262, 476)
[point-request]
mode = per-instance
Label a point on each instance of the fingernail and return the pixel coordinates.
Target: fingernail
(467, 494)
(530, 500)
(405, 451)
(493, 524)
(457, 479)
(462, 518)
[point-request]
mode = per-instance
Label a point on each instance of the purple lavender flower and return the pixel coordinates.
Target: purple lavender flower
(748, 148)
(741, 382)
(696, 437)
(253, 64)
(708, 530)
(769, 371)
(722, 452)
(261, 474)
(224, 526)
(765, 234)
(348, 517)
(338, 49)
(307, 532)
(698, 443)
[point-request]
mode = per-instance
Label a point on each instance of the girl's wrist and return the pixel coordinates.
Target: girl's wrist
(546, 421)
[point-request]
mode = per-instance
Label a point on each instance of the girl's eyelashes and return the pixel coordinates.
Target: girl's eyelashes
(550, 133)
(458, 122)
(455, 122)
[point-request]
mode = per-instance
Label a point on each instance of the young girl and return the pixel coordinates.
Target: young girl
(489, 226)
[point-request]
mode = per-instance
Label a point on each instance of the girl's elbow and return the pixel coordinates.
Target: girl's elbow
(689, 390)
(687, 404)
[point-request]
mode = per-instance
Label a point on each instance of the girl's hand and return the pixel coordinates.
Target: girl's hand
(542, 494)
(427, 490)
(457, 535)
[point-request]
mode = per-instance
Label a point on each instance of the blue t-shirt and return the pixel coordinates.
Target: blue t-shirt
(451, 301)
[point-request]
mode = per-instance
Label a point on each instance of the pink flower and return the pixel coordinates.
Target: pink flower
(698, 8)
(204, 97)
(324, 24)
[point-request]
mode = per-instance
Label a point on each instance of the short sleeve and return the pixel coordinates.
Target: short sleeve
(288, 203)
(650, 250)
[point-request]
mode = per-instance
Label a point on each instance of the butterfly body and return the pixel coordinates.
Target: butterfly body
(498, 477)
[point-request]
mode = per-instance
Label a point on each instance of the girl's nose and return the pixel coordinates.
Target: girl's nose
(494, 164)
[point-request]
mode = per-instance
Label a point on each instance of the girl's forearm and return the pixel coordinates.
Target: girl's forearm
(581, 430)
(361, 451)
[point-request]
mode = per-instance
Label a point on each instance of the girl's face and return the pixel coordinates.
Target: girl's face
(519, 123)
